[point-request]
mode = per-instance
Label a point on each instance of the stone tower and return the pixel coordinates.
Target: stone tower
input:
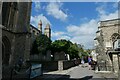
(47, 31)
(40, 26)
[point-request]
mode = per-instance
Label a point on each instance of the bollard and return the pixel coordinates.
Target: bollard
(60, 65)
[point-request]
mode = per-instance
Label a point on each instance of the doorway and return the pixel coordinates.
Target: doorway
(6, 51)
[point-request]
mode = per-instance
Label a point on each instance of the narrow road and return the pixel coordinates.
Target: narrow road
(83, 73)
(76, 73)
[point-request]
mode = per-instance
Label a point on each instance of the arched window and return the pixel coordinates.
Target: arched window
(116, 40)
(115, 36)
(13, 15)
(6, 50)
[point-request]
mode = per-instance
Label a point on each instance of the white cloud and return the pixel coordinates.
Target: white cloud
(64, 37)
(87, 41)
(110, 16)
(84, 29)
(60, 35)
(101, 9)
(37, 6)
(83, 34)
(72, 28)
(54, 9)
(104, 15)
(57, 34)
(35, 20)
(115, 5)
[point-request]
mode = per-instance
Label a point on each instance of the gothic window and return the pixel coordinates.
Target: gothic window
(9, 14)
(116, 40)
(115, 36)
(13, 15)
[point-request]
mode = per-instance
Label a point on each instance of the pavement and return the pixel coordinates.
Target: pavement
(76, 73)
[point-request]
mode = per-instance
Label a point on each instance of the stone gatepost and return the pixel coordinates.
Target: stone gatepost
(115, 63)
(60, 65)
(119, 66)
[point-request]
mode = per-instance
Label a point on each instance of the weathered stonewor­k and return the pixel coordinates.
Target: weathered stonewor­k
(108, 49)
(15, 32)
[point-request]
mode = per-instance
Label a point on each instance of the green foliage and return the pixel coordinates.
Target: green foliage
(73, 51)
(88, 51)
(59, 45)
(41, 44)
(85, 53)
(66, 46)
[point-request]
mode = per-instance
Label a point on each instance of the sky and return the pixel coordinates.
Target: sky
(74, 21)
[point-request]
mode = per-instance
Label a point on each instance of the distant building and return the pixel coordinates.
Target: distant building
(47, 31)
(40, 26)
(34, 33)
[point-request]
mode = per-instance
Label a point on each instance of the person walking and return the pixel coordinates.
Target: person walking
(89, 62)
(82, 61)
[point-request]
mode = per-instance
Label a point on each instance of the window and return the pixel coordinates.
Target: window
(13, 15)
(9, 14)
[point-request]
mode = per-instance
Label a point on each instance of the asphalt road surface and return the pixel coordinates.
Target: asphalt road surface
(76, 73)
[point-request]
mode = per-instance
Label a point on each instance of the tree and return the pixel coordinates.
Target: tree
(60, 45)
(73, 51)
(67, 46)
(41, 44)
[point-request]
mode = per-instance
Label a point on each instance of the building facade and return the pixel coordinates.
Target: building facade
(34, 33)
(107, 44)
(15, 33)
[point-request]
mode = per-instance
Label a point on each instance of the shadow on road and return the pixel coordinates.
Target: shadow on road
(60, 77)
(84, 78)
(67, 77)
(52, 77)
